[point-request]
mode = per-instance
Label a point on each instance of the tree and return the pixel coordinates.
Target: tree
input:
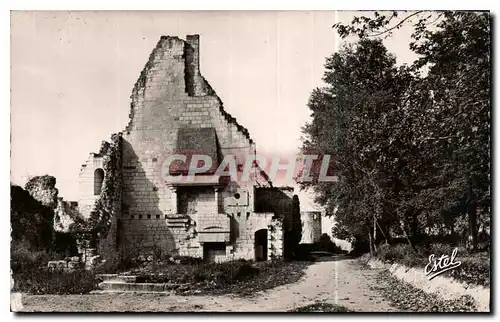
(459, 75)
(350, 118)
(293, 229)
(31, 221)
(415, 154)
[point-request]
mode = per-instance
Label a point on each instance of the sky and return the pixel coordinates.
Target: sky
(72, 74)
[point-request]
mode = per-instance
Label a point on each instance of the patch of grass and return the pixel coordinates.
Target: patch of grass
(31, 275)
(403, 254)
(241, 277)
(321, 307)
(43, 281)
(474, 268)
(411, 299)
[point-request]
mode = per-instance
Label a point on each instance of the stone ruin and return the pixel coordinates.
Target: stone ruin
(128, 209)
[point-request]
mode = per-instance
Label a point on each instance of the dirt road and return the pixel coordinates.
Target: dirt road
(344, 282)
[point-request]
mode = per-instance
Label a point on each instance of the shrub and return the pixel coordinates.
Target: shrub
(64, 243)
(292, 225)
(326, 244)
(44, 281)
(31, 275)
(23, 258)
(31, 221)
(187, 260)
(474, 268)
(225, 273)
(401, 253)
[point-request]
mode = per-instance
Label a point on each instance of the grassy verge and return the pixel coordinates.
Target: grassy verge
(239, 277)
(474, 268)
(31, 275)
(43, 281)
(320, 307)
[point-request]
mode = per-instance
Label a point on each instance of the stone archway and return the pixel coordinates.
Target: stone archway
(98, 180)
(260, 247)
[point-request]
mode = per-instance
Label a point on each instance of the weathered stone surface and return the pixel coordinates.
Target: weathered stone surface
(311, 226)
(74, 265)
(117, 278)
(93, 262)
(146, 216)
(59, 264)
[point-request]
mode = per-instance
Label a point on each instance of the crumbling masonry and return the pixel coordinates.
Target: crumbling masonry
(123, 192)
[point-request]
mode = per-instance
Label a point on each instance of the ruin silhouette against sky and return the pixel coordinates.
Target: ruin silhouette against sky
(72, 74)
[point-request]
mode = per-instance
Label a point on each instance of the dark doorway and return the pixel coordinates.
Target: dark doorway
(261, 245)
(213, 251)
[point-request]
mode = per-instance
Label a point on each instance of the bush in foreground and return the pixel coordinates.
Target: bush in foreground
(44, 281)
(408, 298)
(474, 268)
(31, 275)
(240, 276)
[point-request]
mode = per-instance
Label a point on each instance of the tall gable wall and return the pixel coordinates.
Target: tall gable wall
(169, 94)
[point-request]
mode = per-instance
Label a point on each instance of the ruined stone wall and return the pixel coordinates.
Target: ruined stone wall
(66, 215)
(86, 196)
(194, 200)
(170, 94)
(109, 206)
(43, 189)
(155, 218)
(100, 201)
(159, 235)
(246, 225)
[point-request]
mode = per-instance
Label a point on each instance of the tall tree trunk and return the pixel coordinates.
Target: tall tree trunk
(401, 223)
(414, 225)
(375, 234)
(371, 242)
(472, 216)
(382, 231)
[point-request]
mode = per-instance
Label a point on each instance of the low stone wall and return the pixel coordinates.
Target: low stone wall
(446, 287)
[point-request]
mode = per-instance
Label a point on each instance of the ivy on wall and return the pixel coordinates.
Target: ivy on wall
(108, 205)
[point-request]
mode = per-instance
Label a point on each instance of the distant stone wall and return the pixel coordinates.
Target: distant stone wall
(311, 226)
(66, 215)
(86, 195)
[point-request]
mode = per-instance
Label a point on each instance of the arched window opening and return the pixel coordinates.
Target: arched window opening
(98, 179)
